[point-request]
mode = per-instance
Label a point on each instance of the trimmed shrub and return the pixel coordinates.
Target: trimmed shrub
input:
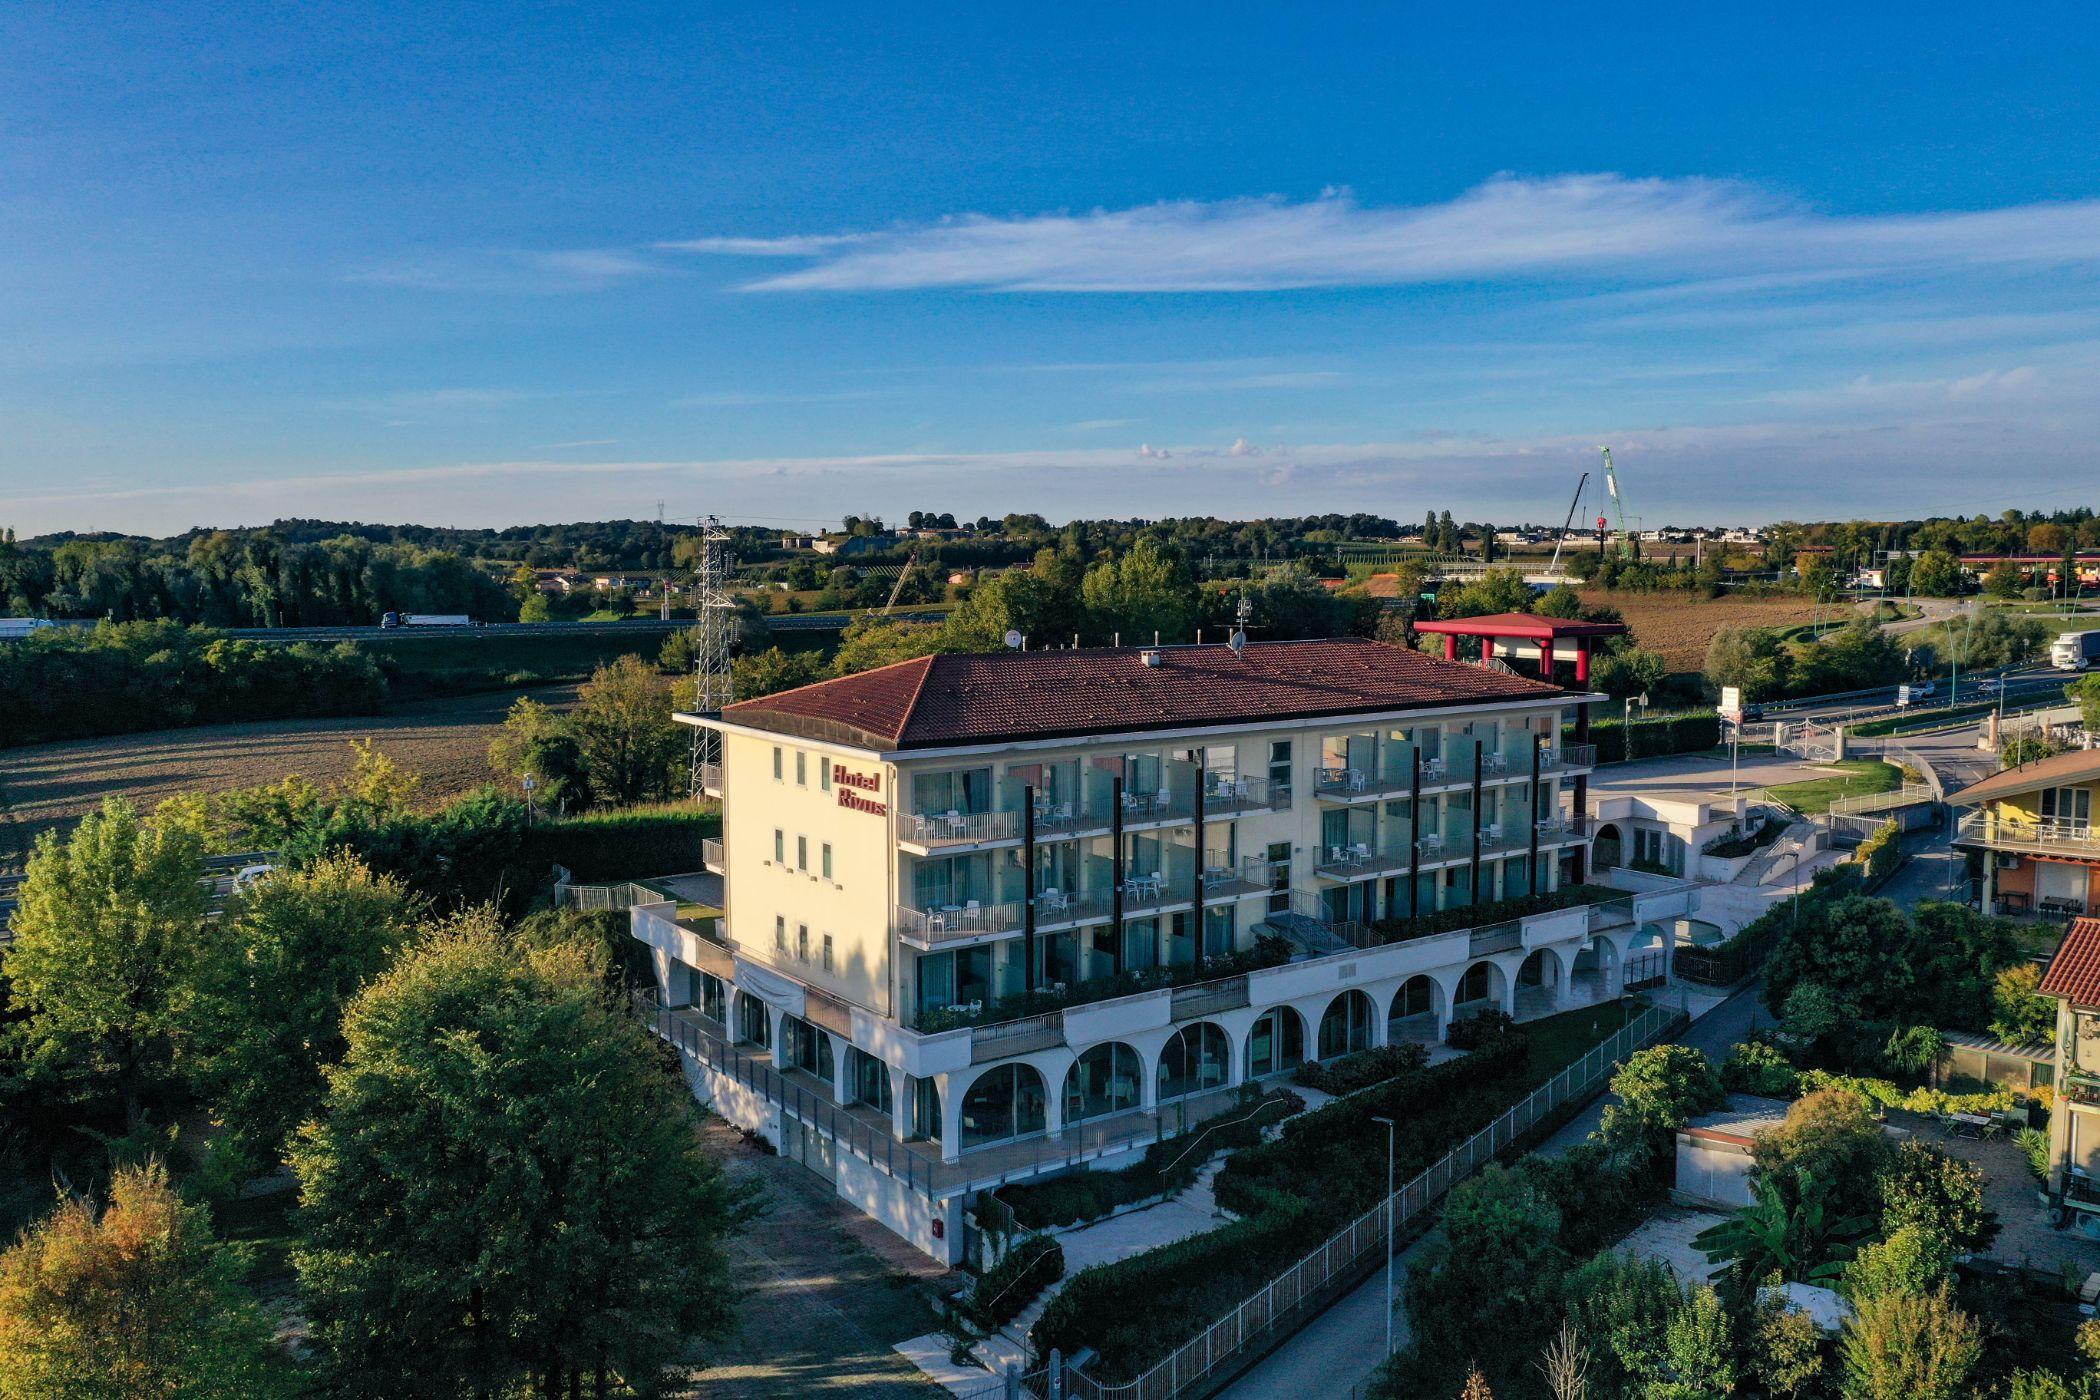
(1494, 911)
(1881, 853)
(1692, 732)
(1363, 1069)
(1481, 1028)
(627, 844)
(1013, 1283)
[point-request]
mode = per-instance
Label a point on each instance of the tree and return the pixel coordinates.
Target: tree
(1494, 1273)
(1857, 950)
(107, 923)
(534, 742)
(1750, 658)
(1785, 1349)
(623, 726)
(1902, 1346)
(2085, 694)
(2020, 1013)
(2003, 580)
(1495, 591)
(134, 1299)
(1622, 1303)
(266, 999)
(868, 642)
(771, 671)
(1624, 671)
(1698, 1360)
(1832, 1136)
(505, 1187)
(1790, 1230)
(1913, 1260)
(1659, 1089)
(1925, 1188)
(1147, 589)
(1936, 573)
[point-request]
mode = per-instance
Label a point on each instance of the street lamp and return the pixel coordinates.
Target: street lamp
(1390, 1212)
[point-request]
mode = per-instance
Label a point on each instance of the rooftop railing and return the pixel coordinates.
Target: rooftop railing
(2049, 835)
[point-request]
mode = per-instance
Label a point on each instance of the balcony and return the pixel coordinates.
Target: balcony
(950, 925)
(711, 779)
(926, 832)
(711, 856)
(2080, 840)
(1229, 797)
(1568, 758)
(1359, 861)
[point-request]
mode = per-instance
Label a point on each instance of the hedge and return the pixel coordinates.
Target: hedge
(1881, 853)
(1168, 1165)
(1692, 732)
(631, 843)
(1494, 911)
(1363, 1069)
(1013, 1283)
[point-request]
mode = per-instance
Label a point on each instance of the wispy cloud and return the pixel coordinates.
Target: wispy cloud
(512, 271)
(1510, 226)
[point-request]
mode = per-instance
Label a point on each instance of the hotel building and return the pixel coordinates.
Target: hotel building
(989, 916)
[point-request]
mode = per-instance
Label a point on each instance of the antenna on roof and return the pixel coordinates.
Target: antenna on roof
(1013, 638)
(1243, 616)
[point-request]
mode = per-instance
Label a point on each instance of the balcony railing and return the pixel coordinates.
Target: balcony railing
(939, 829)
(1561, 831)
(1357, 861)
(711, 854)
(2051, 836)
(953, 923)
(1567, 756)
(711, 779)
(1224, 797)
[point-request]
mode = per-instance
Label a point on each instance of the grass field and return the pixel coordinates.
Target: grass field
(51, 785)
(1851, 777)
(424, 666)
(1680, 626)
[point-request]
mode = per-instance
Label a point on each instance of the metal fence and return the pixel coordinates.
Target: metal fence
(1282, 1305)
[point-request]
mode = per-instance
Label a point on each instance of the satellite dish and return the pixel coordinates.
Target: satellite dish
(1013, 638)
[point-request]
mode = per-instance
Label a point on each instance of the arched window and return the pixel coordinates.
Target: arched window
(868, 1079)
(1103, 1080)
(1346, 1027)
(754, 1021)
(1478, 984)
(1006, 1101)
(1275, 1043)
(1416, 997)
(1194, 1059)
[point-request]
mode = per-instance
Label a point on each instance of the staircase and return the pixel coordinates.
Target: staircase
(1308, 935)
(1788, 849)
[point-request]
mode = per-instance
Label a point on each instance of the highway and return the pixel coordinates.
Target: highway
(789, 622)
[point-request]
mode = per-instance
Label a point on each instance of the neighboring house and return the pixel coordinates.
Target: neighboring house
(2073, 979)
(794, 541)
(2033, 831)
(557, 581)
(846, 546)
(973, 902)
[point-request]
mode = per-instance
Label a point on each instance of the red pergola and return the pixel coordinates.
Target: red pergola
(1546, 632)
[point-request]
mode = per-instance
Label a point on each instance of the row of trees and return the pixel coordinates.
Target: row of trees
(617, 746)
(500, 1186)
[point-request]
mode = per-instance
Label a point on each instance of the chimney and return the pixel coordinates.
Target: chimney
(1149, 657)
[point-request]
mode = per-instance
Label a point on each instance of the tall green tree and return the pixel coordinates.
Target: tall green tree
(505, 1189)
(267, 993)
(1146, 589)
(1658, 1090)
(1907, 1346)
(623, 725)
(134, 1299)
(107, 924)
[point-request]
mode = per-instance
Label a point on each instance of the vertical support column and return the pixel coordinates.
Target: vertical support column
(1450, 646)
(1582, 661)
(1196, 914)
(1028, 954)
(1536, 741)
(841, 1082)
(1115, 865)
(900, 1103)
(1580, 799)
(1546, 658)
(1414, 848)
(777, 1019)
(1476, 822)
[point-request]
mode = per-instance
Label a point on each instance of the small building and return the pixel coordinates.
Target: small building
(2035, 847)
(1976, 1063)
(1667, 833)
(1715, 1153)
(791, 540)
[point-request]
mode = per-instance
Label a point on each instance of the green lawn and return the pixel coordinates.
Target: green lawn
(1559, 1041)
(1851, 777)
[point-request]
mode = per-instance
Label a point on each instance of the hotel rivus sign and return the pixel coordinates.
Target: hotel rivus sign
(858, 790)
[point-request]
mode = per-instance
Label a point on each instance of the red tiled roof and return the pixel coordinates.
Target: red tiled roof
(2074, 973)
(990, 697)
(1521, 625)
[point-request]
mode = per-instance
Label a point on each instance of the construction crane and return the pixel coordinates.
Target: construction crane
(1566, 525)
(897, 588)
(1611, 482)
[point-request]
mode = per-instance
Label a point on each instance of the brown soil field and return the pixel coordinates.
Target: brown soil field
(446, 740)
(1680, 626)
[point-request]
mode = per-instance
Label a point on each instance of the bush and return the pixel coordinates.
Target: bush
(1167, 1166)
(1494, 911)
(1480, 1028)
(1881, 853)
(1362, 1070)
(1135, 1311)
(1694, 732)
(1013, 1283)
(1756, 1066)
(627, 844)
(2034, 1146)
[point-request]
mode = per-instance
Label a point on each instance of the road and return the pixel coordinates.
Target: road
(795, 622)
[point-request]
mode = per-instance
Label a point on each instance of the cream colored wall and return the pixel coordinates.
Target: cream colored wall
(852, 906)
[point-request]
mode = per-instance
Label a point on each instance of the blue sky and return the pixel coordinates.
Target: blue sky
(496, 264)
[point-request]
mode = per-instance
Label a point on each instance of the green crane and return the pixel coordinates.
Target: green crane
(1611, 482)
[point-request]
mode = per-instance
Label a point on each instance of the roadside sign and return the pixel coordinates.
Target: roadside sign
(1902, 697)
(1732, 703)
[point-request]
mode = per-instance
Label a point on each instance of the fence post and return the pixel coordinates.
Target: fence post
(1013, 1382)
(1057, 1374)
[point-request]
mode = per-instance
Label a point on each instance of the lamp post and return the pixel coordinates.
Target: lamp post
(1390, 1212)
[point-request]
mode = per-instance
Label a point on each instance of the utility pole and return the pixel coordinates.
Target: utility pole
(1391, 1210)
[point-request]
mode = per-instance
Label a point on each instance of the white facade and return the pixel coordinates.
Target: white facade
(937, 970)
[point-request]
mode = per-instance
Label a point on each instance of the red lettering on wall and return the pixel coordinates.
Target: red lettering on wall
(849, 798)
(841, 776)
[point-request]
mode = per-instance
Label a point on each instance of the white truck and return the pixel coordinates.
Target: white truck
(394, 619)
(13, 629)
(2074, 651)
